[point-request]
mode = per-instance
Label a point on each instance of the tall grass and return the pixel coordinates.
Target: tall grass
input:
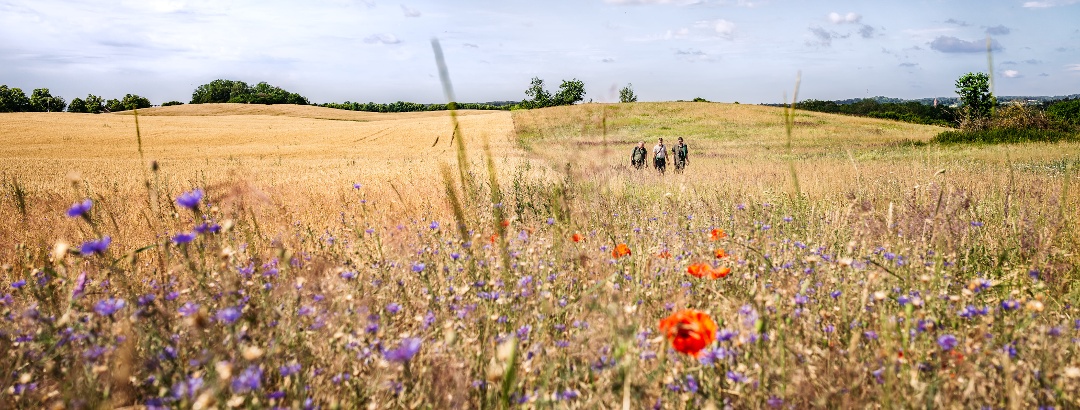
(914, 287)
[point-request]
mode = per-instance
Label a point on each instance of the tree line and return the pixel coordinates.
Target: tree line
(14, 99)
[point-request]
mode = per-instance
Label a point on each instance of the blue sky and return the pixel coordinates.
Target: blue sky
(380, 50)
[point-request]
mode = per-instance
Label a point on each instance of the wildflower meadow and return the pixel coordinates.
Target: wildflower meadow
(520, 262)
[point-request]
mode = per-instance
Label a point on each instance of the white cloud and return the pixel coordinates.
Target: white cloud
(850, 17)
(720, 27)
(636, 2)
(1048, 3)
(1073, 67)
(1011, 73)
(382, 39)
(410, 12)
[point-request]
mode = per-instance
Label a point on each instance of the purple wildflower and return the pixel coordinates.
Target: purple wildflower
(18, 284)
(187, 389)
(834, 294)
(80, 209)
(393, 308)
(248, 380)
(290, 369)
(228, 315)
(80, 285)
(106, 307)
(523, 332)
(146, 299)
(188, 309)
(404, 352)
(434, 225)
(947, 342)
(736, 377)
(1010, 304)
(418, 267)
(183, 238)
(801, 299)
(190, 200)
(568, 395)
(206, 228)
(91, 247)
(348, 275)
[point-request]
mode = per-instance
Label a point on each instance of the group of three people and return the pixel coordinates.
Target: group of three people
(679, 154)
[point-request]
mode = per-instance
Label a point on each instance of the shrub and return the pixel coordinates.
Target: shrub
(1004, 136)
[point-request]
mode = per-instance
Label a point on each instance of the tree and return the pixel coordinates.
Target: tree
(974, 91)
(94, 104)
(540, 97)
(114, 105)
(132, 101)
(43, 101)
(77, 105)
(220, 91)
(570, 92)
(626, 94)
(13, 100)
(171, 103)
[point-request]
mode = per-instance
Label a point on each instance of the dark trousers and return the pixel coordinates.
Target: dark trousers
(660, 164)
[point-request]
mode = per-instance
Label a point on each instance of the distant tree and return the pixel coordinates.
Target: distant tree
(570, 92)
(974, 91)
(699, 99)
(171, 103)
(626, 94)
(94, 104)
(77, 105)
(1067, 111)
(114, 105)
(220, 91)
(43, 101)
(13, 100)
(132, 101)
(540, 97)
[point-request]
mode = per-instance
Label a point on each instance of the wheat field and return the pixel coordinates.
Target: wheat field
(304, 257)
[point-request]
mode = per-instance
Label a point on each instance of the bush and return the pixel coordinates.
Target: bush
(1004, 136)
(171, 103)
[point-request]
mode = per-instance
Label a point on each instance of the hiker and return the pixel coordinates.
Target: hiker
(637, 158)
(679, 152)
(660, 156)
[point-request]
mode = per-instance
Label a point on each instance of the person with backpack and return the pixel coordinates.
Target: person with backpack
(637, 158)
(660, 157)
(680, 152)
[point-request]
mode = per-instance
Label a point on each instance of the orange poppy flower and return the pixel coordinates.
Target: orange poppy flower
(719, 272)
(494, 236)
(698, 269)
(664, 254)
(689, 331)
(716, 234)
(576, 237)
(720, 253)
(505, 223)
(620, 251)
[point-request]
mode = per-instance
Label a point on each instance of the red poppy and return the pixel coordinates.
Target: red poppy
(698, 269)
(494, 236)
(505, 223)
(720, 253)
(719, 272)
(716, 234)
(689, 331)
(576, 237)
(664, 254)
(620, 251)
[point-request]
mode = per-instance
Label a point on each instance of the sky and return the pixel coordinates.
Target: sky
(749, 51)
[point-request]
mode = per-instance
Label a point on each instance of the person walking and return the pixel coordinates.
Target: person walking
(637, 158)
(660, 157)
(680, 152)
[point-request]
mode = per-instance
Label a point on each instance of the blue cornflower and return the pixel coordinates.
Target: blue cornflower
(187, 389)
(835, 294)
(1010, 304)
(248, 380)
(976, 224)
(290, 369)
(206, 228)
(106, 307)
(18, 284)
(348, 275)
(81, 209)
(523, 332)
(228, 315)
(736, 377)
(404, 352)
(183, 238)
(551, 221)
(434, 225)
(801, 299)
(357, 185)
(80, 285)
(947, 342)
(190, 200)
(91, 247)
(870, 334)
(146, 299)
(393, 308)
(568, 395)
(418, 267)
(188, 309)
(775, 402)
